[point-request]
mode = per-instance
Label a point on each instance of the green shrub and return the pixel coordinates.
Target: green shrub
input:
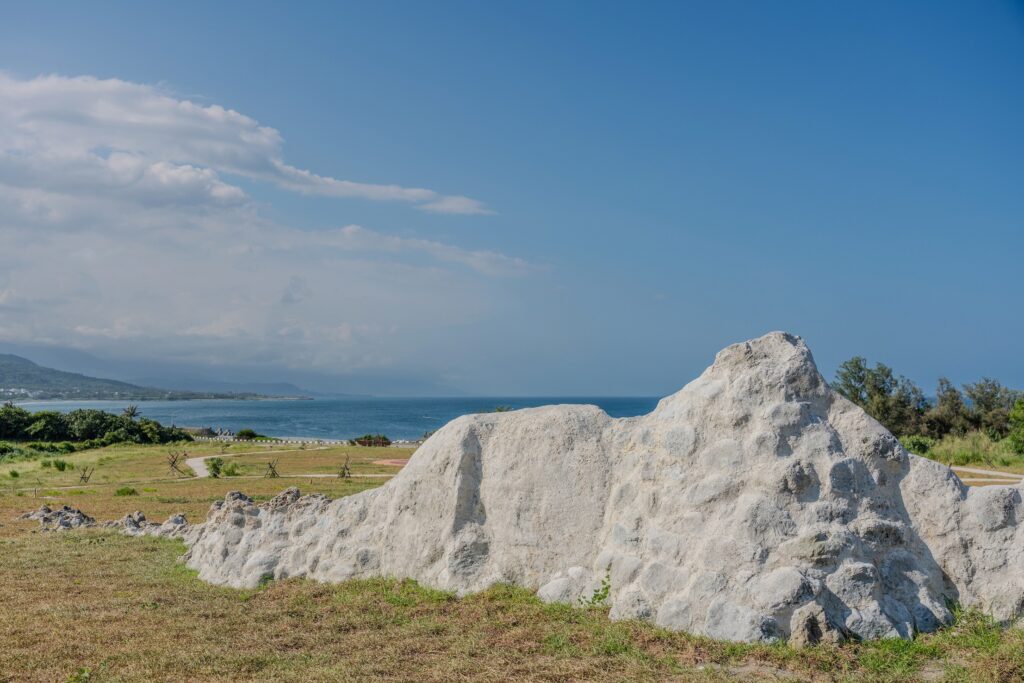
(230, 470)
(126, 491)
(60, 465)
(52, 431)
(1016, 437)
(371, 440)
(13, 474)
(46, 463)
(214, 466)
(916, 443)
(247, 434)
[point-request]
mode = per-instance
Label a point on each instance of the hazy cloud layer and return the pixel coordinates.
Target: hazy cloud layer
(121, 231)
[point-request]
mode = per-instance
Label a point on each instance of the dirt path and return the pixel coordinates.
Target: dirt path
(392, 462)
(198, 463)
(199, 466)
(987, 473)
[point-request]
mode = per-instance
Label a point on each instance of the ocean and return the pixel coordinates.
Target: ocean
(398, 418)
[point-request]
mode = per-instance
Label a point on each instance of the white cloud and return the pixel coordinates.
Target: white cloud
(64, 133)
(122, 231)
(358, 238)
(289, 298)
(455, 205)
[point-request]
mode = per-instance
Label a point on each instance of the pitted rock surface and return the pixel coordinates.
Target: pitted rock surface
(754, 504)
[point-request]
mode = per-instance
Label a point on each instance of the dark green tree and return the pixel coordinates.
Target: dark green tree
(87, 423)
(990, 408)
(14, 421)
(48, 425)
(949, 414)
(1017, 427)
(891, 399)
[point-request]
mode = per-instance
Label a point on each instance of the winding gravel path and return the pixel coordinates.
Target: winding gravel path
(198, 464)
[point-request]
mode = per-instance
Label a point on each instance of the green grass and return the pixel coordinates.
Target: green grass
(976, 448)
(134, 463)
(128, 611)
(126, 478)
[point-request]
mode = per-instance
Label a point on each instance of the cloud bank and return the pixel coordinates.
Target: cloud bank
(125, 229)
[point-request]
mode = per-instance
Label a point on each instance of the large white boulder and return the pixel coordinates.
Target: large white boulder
(755, 504)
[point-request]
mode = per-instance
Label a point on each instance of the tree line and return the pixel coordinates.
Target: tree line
(985, 406)
(91, 427)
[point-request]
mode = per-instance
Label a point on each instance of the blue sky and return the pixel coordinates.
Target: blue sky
(616, 191)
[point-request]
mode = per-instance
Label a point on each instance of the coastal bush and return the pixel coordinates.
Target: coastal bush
(13, 474)
(56, 463)
(13, 421)
(371, 440)
(230, 470)
(251, 434)
(54, 432)
(52, 447)
(126, 491)
(48, 425)
(918, 444)
(1017, 427)
(214, 466)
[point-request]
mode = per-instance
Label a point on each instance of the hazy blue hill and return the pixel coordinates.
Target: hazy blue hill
(20, 378)
(196, 383)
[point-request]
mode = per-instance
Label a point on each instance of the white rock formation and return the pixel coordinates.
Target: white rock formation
(136, 524)
(754, 504)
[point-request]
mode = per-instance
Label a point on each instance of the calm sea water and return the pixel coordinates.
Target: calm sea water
(398, 418)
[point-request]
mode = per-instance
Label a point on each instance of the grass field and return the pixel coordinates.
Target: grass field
(977, 449)
(95, 606)
(160, 494)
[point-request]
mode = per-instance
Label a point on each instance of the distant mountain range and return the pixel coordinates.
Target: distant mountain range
(22, 379)
(277, 389)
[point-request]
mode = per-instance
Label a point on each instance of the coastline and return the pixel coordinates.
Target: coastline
(400, 419)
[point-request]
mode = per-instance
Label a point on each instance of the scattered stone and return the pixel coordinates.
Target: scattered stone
(135, 524)
(755, 504)
(62, 519)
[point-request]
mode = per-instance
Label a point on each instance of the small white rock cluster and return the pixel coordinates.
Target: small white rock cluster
(753, 505)
(66, 518)
(135, 524)
(63, 518)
